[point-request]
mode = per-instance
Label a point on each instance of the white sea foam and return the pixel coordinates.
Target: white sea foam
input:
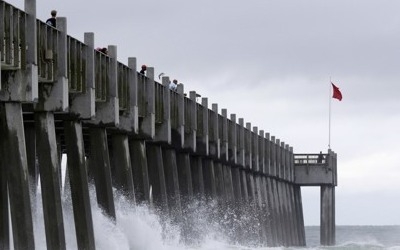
(139, 228)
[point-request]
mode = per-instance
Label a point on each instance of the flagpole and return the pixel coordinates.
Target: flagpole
(330, 100)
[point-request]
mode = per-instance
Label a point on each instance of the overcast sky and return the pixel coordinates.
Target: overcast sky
(270, 62)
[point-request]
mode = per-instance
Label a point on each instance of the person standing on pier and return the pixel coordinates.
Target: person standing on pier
(144, 67)
(320, 157)
(52, 20)
(173, 85)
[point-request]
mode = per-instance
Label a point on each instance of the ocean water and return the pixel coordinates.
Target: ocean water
(139, 228)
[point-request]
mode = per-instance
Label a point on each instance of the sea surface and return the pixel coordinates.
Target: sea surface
(140, 228)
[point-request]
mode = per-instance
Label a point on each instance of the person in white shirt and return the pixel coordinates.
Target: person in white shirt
(173, 85)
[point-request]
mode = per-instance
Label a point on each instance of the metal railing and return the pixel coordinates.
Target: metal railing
(310, 159)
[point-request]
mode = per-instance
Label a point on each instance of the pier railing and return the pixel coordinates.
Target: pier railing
(12, 36)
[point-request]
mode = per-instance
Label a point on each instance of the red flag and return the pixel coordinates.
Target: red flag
(336, 92)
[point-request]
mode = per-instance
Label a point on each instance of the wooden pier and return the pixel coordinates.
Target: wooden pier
(121, 129)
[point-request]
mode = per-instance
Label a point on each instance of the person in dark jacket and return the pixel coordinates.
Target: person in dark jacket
(143, 70)
(320, 157)
(52, 20)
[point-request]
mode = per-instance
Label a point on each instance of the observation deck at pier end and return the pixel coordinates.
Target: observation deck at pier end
(312, 170)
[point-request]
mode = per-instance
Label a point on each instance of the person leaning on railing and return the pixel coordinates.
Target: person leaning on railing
(52, 20)
(143, 70)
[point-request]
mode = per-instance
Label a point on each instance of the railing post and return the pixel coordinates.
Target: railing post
(84, 103)
(130, 120)
(163, 130)
(32, 80)
(147, 127)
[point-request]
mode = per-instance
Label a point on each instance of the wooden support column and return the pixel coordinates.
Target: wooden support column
(140, 172)
(236, 180)
(30, 143)
(283, 194)
(233, 158)
(185, 176)
(229, 194)
(241, 160)
(157, 176)
(225, 156)
(79, 185)
(4, 219)
(266, 211)
(196, 164)
(122, 166)
(293, 217)
(172, 183)
(248, 162)
(210, 191)
(219, 180)
(14, 154)
(49, 180)
(101, 167)
(273, 216)
(327, 215)
(299, 215)
(278, 212)
(285, 213)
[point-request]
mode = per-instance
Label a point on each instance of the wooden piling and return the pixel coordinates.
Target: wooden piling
(101, 169)
(137, 149)
(185, 176)
(49, 180)
(196, 164)
(4, 219)
(157, 176)
(17, 175)
(327, 237)
(30, 143)
(209, 179)
(79, 185)
(172, 183)
(122, 166)
(299, 215)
